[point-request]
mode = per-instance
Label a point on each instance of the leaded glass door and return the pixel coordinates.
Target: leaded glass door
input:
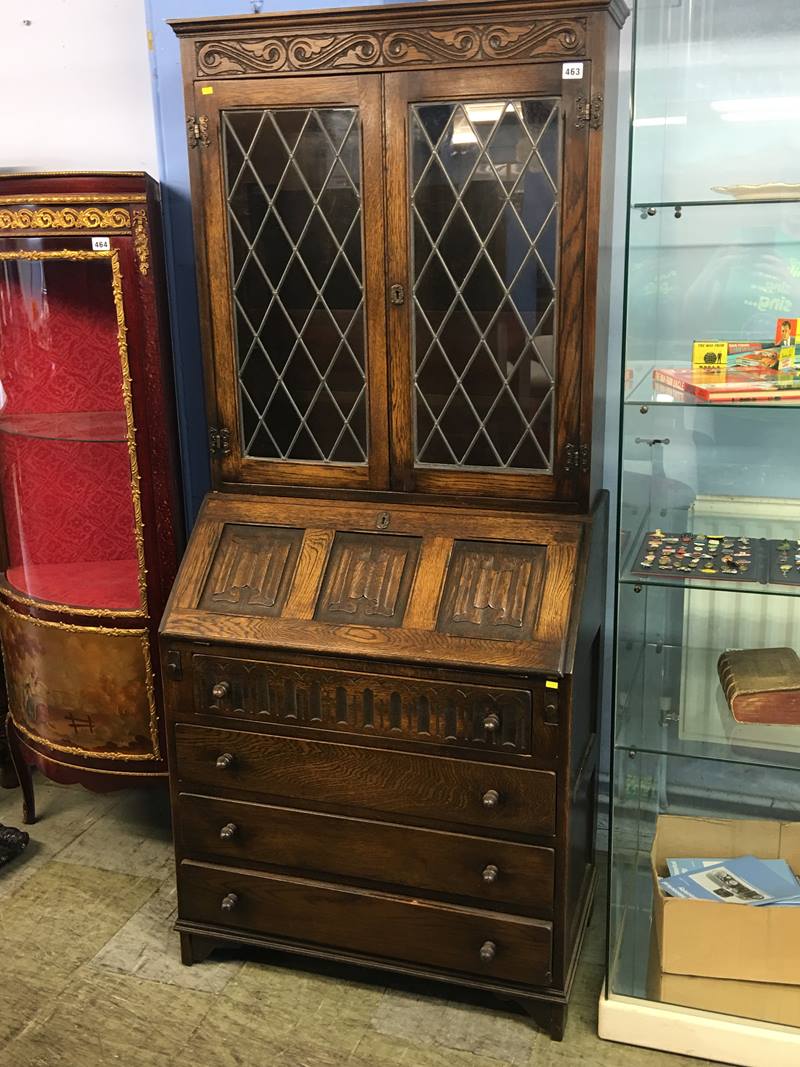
(490, 179)
(295, 260)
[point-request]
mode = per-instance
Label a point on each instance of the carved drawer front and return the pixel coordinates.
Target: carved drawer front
(380, 925)
(486, 796)
(333, 846)
(476, 717)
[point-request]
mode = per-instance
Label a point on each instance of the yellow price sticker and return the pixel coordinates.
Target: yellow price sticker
(207, 90)
(551, 685)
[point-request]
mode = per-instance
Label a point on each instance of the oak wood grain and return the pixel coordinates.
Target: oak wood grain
(336, 847)
(428, 583)
(445, 521)
(373, 642)
(308, 574)
(443, 790)
(404, 928)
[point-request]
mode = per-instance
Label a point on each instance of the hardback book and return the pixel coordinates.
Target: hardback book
(728, 384)
(762, 684)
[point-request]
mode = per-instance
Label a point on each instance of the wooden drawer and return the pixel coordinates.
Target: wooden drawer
(474, 717)
(488, 796)
(389, 927)
(338, 847)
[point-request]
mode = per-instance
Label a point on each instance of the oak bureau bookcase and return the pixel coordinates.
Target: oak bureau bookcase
(382, 653)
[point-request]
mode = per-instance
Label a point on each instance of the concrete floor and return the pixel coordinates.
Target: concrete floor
(90, 973)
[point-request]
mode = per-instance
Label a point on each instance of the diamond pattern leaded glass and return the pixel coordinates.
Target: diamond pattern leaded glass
(485, 201)
(293, 184)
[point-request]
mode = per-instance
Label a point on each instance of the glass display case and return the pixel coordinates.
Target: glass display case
(87, 474)
(709, 527)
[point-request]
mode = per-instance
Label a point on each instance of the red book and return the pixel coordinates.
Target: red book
(726, 384)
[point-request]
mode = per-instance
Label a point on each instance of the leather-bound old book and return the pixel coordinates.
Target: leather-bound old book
(762, 684)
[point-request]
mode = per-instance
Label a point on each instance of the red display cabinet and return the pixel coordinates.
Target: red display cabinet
(88, 475)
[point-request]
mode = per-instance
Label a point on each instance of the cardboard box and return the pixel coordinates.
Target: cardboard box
(768, 1002)
(707, 939)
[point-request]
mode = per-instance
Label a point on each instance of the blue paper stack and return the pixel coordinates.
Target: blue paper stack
(742, 880)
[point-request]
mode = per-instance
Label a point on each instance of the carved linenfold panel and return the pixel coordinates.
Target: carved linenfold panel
(492, 590)
(368, 579)
(366, 705)
(292, 52)
(252, 570)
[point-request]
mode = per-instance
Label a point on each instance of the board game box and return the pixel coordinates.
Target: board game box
(730, 384)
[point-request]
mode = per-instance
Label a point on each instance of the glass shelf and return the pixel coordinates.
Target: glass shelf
(672, 705)
(735, 202)
(644, 391)
(678, 519)
(111, 584)
(110, 426)
(762, 589)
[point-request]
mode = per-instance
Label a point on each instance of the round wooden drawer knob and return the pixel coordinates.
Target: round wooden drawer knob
(225, 760)
(490, 799)
(490, 873)
(228, 831)
(491, 723)
(221, 690)
(488, 951)
(229, 902)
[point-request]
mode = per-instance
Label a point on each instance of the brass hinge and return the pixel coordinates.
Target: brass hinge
(197, 129)
(577, 458)
(219, 441)
(590, 111)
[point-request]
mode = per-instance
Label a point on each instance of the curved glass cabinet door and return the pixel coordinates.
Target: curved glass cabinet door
(68, 468)
(88, 476)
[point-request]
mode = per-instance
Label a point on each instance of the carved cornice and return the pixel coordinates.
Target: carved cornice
(280, 53)
(68, 218)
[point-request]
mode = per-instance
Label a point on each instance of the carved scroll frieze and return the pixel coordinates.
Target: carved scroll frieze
(67, 218)
(291, 52)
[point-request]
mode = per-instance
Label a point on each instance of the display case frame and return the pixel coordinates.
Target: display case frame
(699, 266)
(92, 515)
